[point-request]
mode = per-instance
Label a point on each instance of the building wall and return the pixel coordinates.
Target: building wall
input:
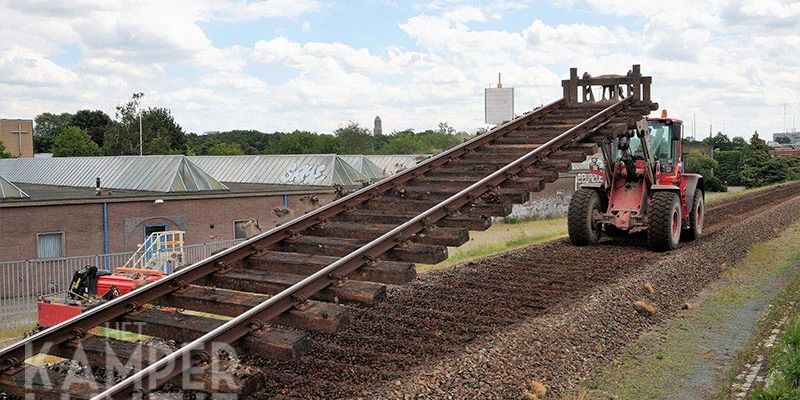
(12, 140)
(553, 201)
(204, 220)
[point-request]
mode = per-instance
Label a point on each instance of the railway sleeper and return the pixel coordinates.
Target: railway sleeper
(314, 315)
(553, 161)
(400, 204)
(385, 217)
(458, 183)
(41, 383)
(125, 357)
(271, 342)
(524, 139)
(392, 272)
(420, 191)
(409, 252)
(106, 352)
(368, 231)
(547, 174)
(346, 291)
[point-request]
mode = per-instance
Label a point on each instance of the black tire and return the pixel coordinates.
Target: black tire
(664, 230)
(696, 218)
(581, 225)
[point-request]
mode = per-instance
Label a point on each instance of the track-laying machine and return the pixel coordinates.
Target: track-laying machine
(644, 189)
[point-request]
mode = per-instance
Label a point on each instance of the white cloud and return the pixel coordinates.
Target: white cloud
(20, 66)
(726, 60)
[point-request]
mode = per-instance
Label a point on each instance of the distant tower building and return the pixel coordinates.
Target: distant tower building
(499, 104)
(378, 128)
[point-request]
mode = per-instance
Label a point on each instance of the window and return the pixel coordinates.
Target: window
(245, 228)
(51, 245)
(151, 229)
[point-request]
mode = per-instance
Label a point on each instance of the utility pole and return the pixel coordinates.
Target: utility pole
(140, 133)
(784, 118)
(694, 125)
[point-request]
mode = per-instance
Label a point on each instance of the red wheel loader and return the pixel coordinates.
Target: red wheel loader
(644, 188)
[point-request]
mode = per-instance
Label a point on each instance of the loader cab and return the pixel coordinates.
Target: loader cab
(665, 139)
(665, 143)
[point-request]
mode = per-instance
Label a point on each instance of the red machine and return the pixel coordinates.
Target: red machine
(645, 189)
(90, 287)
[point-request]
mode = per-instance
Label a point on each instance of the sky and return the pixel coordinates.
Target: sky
(315, 65)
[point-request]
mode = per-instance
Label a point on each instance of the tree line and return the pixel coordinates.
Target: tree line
(93, 132)
(737, 162)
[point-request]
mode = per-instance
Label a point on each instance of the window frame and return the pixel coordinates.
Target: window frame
(244, 221)
(63, 244)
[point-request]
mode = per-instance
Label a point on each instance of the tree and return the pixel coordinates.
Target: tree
(445, 128)
(403, 143)
(47, 127)
(738, 143)
(225, 149)
(74, 142)
(160, 133)
(302, 142)
(758, 167)
(702, 164)
(783, 140)
(4, 153)
(730, 167)
(720, 141)
(94, 122)
(353, 139)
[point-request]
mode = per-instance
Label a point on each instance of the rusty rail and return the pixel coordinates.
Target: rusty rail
(77, 327)
(256, 318)
(483, 188)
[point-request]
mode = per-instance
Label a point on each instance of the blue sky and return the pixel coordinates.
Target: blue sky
(308, 64)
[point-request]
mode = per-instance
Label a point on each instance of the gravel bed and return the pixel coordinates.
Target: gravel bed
(565, 347)
(485, 328)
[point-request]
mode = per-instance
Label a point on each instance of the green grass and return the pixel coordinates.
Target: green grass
(735, 191)
(663, 359)
(502, 237)
(784, 380)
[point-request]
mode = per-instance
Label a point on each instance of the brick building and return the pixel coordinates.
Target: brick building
(51, 208)
(17, 136)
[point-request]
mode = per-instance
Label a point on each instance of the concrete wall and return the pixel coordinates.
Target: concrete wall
(12, 140)
(553, 201)
(204, 220)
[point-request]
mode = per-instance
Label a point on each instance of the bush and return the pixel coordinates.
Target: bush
(74, 142)
(730, 167)
(697, 163)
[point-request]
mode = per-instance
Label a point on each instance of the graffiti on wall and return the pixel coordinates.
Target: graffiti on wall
(550, 206)
(305, 174)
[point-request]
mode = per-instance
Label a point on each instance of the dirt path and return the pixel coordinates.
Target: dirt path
(484, 328)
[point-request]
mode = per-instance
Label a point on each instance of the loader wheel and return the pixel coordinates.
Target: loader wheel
(664, 230)
(696, 218)
(581, 225)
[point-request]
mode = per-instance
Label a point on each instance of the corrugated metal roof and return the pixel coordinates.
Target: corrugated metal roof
(365, 166)
(165, 173)
(301, 169)
(392, 164)
(9, 190)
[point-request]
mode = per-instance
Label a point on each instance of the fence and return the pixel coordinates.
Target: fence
(23, 282)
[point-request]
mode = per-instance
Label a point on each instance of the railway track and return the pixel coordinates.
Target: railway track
(439, 316)
(275, 288)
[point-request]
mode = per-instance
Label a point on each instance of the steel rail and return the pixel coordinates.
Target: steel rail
(256, 318)
(77, 327)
